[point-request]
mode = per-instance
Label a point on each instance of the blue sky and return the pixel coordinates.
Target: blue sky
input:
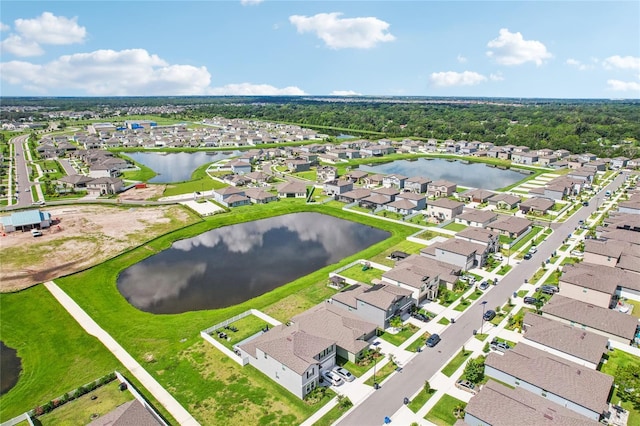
(575, 49)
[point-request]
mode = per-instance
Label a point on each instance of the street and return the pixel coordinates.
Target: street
(389, 398)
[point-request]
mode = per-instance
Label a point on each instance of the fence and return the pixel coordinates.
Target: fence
(18, 419)
(141, 399)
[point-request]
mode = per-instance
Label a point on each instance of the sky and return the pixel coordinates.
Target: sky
(516, 49)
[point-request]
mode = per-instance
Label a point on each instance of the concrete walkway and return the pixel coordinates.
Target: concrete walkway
(178, 412)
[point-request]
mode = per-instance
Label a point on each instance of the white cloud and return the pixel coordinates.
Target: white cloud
(51, 29)
(341, 33)
(109, 73)
(624, 86)
(579, 65)
(250, 2)
(248, 89)
(18, 46)
(4, 27)
(452, 78)
(496, 77)
(345, 93)
(622, 62)
(461, 59)
(512, 49)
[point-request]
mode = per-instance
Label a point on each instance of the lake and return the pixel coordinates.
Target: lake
(474, 175)
(177, 166)
(229, 265)
(10, 366)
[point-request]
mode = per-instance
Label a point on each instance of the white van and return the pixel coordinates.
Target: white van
(36, 233)
(498, 257)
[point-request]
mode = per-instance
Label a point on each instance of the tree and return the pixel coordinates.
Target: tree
(474, 370)
(427, 386)
(627, 379)
(396, 322)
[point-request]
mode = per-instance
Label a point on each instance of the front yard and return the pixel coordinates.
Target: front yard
(447, 411)
(399, 338)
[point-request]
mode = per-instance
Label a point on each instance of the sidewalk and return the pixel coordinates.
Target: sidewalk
(181, 415)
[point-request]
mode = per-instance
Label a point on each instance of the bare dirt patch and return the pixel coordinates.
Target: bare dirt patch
(81, 236)
(139, 194)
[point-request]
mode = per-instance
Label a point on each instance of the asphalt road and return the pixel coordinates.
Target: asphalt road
(389, 398)
(23, 182)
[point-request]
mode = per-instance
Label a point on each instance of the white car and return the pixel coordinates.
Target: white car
(332, 378)
(533, 249)
(344, 374)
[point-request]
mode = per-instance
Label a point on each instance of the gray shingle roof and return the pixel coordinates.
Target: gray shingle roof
(499, 405)
(602, 319)
(571, 381)
(570, 340)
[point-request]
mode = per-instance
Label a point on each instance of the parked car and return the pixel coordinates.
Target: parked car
(421, 317)
(467, 386)
(344, 374)
(585, 203)
(483, 285)
(433, 340)
(527, 256)
(489, 315)
(530, 300)
(549, 289)
(533, 249)
(332, 378)
(499, 346)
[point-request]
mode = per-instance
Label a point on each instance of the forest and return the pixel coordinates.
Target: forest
(607, 128)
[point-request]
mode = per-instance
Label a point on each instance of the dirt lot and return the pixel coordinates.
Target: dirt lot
(151, 191)
(81, 236)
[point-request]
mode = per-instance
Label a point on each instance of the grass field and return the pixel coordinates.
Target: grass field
(399, 338)
(200, 181)
(456, 362)
(144, 174)
(382, 373)
(57, 355)
(420, 399)
(405, 246)
(457, 227)
(213, 388)
(442, 414)
(616, 359)
(78, 412)
(356, 273)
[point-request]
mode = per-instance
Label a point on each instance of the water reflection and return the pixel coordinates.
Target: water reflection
(229, 265)
(10, 368)
(177, 166)
(475, 175)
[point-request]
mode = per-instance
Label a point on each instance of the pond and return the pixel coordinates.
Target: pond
(177, 166)
(474, 175)
(10, 366)
(229, 265)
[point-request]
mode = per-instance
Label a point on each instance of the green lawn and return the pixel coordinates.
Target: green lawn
(418, 343)
(444, 321)
(405, 246)
(200, 181)
(457, 227)
(247, 326)
(455, 363)
(144, 174)
(504, 270)
(481, 336)
(636, 307)
(463, 305)
(382, 373)
(503, 239)
(355, 369)
(407, 331)
(356, 273)
(615, 359)
(213, 388)
(442, 414)
(534, 231)
(332, 415)
(78, 412)
(308, 175)
(420, 399)
(429, 234)
(57, 355)
(522, 293)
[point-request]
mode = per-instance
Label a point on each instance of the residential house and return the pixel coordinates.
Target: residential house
(355, 195)
(356, 176)
(407, 203)
(337, 187)
(476, 195)
(231, 196)
(259, 178)
(417, 184)
(441, 188)
(260, 196)
(527, 158)
(563, 382)
(293, 189)
(372, 181)
(456, 251)
(583, 174)
(377, 303)
(105, 185)
(376, 151)
(481, 236)
(296, 165)
(610, 323)
(394, 181)
(421, 277)
(75, 182)
(510, 226)
(239, 167)
(630, 206)
(26, 220)
(326, 173)
(499, 405)
(547, 160)
(504, 201)
(562, 340)
(476, 218)
(611, 252)
(536, 206)
(600, 286)
(444, 209)
(379, 197)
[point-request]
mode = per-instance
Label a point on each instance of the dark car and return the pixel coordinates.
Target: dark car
(549, 289)
(527, 256)
(489, 315)
(433, 340)
(421, 317)
(530, 300)
(585, 203)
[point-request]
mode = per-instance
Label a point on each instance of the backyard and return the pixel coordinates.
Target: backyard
(617, 360)
(359, 273)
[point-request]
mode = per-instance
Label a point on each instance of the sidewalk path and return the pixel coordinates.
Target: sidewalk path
(181, 415)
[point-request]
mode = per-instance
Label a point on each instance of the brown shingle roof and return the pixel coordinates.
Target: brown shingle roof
(571, 381)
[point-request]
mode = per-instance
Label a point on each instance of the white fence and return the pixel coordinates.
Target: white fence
(140, 398)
